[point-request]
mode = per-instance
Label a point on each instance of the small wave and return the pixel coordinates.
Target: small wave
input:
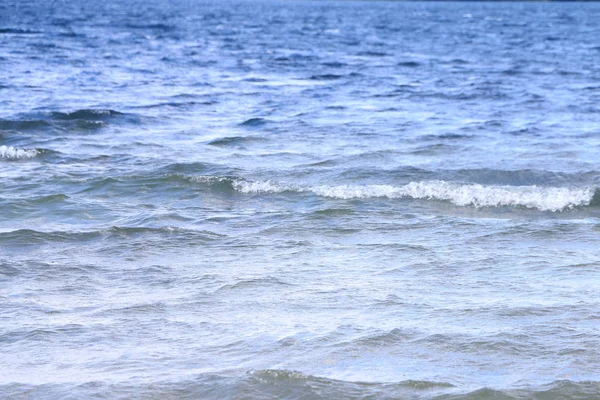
(260, 187)
(154, 27)
(541, 198)
(325, 77)
(182, 104)
(254, 122)
(22, 125)
(29, 237)
(79, 119)
(86, 114)
(16, 31)
(12, 153)
(565, 389)
(289, 380)
(251, 284)
(232, 183)
(409, 64)
(288, 376)
(334, 64)
(372, 54)
(460, 194)
(279, 384)
(233, 141)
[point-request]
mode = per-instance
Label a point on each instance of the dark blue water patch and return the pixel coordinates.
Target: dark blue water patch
(334, 64)
(527, 131)
(405, 91)
(255, 80)
(23, 124)
(446, 136)
(17, 31)
(79, 120)
(255, 122)
(181, 104)
(86, 114)
(157, 27)
(409, 64)
(467, 94)
(235, 141)
(326, 77)
(595, 202)
(370, 53)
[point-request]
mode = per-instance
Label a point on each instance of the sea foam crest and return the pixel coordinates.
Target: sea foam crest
(460, 194)
(244, 186)
(262, 187)
(542, 198)
(13, 153)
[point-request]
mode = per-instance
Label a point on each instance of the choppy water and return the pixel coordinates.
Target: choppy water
(299, 200)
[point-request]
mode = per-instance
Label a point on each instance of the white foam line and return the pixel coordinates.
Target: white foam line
(13, 153)
(541, 198)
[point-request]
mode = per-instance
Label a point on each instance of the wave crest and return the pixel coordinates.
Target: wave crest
(461, 194)
(13, 153)
(541, 198)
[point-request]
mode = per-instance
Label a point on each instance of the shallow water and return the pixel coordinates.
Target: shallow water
(299, 200)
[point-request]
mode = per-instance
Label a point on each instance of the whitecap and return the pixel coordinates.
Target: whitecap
(460, 194)
(12, 153)
(541, 198)
(261, 187)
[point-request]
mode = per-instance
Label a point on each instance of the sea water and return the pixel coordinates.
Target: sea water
(299, 199)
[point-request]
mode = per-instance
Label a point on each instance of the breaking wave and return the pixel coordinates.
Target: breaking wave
(460, 194)
(12, 153)
(541, 198)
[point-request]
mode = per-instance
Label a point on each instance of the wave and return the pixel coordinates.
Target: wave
(251, 284)
(278, 384)
(176, 104)
(17, 31)
(86, 114)
(541, 198)
(23, 125)
(326, 77)
(234, 141)
(242, 185)
(28, 237)
(13, 153)
(252, 122)
(460, 194)
(83, 119)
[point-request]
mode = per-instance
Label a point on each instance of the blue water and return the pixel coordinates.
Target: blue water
(299, 199)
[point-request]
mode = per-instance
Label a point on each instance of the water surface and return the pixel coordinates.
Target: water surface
(307, 200)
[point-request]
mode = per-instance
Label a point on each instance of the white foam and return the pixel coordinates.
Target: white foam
(206, 179)
(245, 186)
(13, 153)
(535, 197)
(541, 198)
(261, 187)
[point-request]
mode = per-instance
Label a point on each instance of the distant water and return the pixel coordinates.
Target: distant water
(299, 200)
